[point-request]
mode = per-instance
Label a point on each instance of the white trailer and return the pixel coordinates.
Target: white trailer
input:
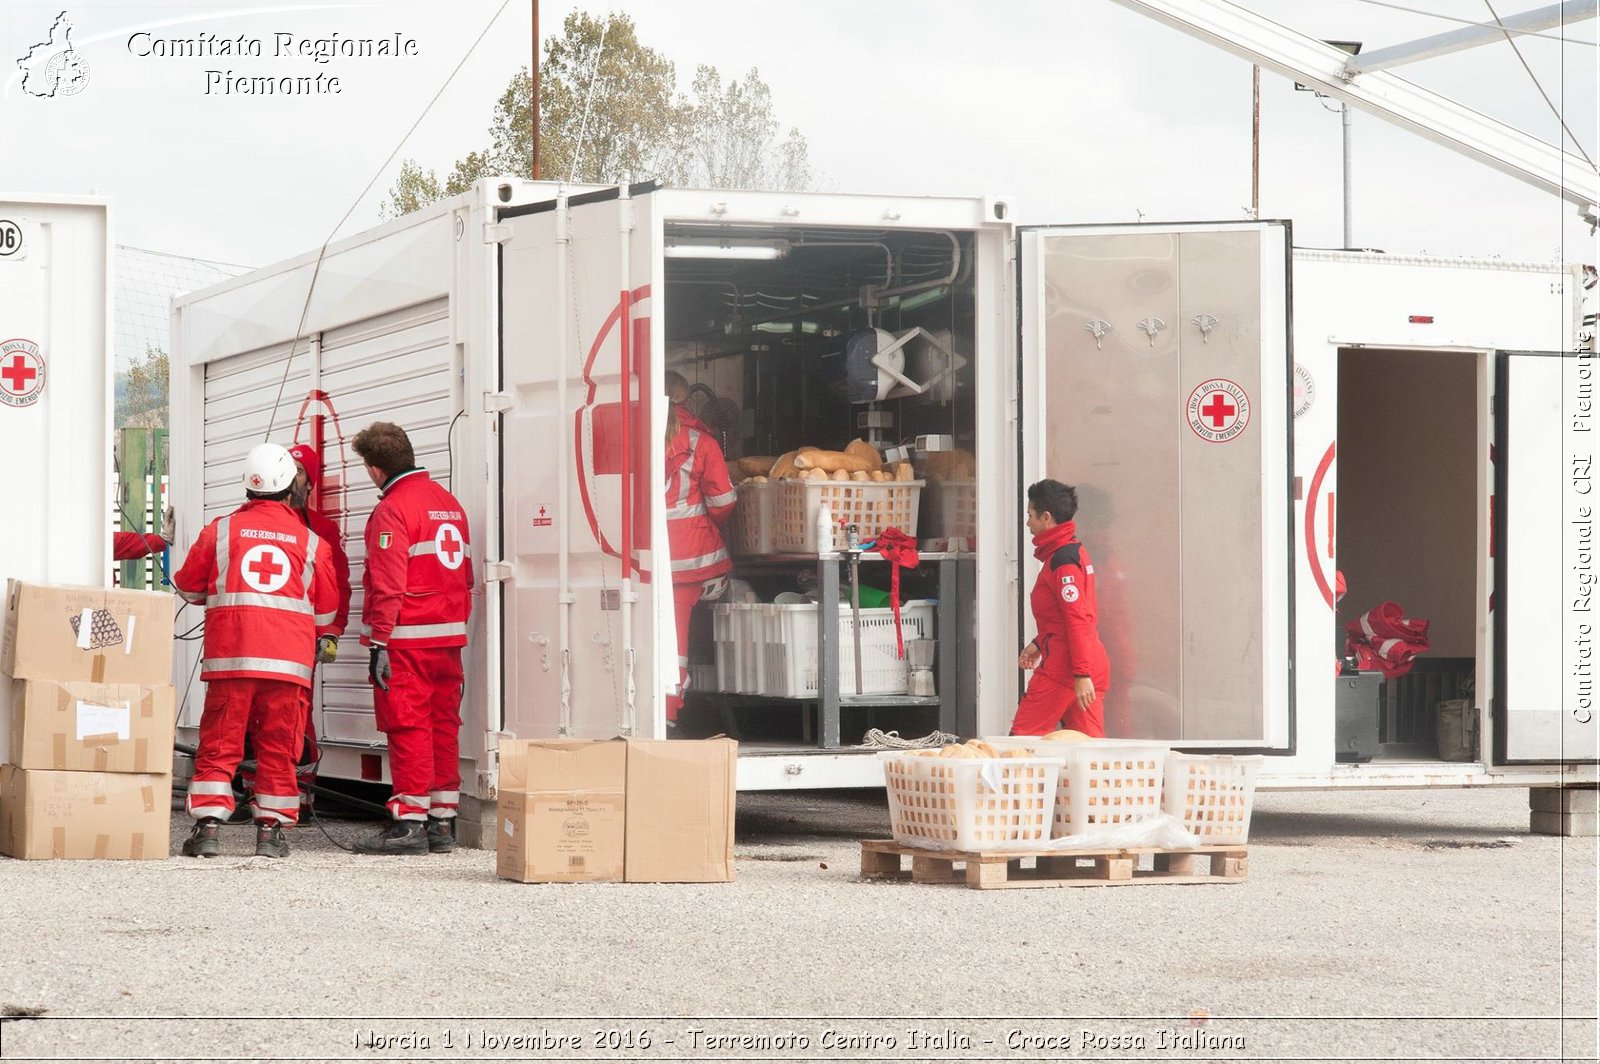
(498, 327)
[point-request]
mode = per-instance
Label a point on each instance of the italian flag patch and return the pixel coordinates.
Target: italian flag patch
(383, 540)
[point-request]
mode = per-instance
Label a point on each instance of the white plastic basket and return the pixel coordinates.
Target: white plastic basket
(750, 528)
(1105, 783)
(1212, 795)
(735, 631)
(871, 506)
(969, 803)
(789, 649)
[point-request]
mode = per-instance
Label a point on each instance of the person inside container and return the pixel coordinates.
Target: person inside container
(699, 499)
(1071, 672)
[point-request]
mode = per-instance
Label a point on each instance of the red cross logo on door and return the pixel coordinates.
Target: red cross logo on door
(450, 546)
(21, 373)
(264, 568)
(1218, 410)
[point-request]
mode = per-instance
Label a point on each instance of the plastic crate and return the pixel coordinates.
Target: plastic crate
(789, 649)
(970, 804)
(734, 630)
(949, 510)
(871, 506)
(1107, 783)
(1212, 795)
(750, 527)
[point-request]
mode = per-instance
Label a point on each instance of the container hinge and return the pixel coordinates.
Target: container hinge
(496, 234)
(1011, 410)
(497, 402)
(496, 572)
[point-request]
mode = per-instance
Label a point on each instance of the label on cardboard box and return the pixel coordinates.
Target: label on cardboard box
(90, 727)
(46, 815)
(93, 720)
(94, 634)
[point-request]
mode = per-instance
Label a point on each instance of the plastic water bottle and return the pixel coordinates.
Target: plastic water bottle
(824, 529)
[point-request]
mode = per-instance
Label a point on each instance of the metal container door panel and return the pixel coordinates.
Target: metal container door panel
(1545, 559)
(1164, 398)
(1109, 433)
(581, 469)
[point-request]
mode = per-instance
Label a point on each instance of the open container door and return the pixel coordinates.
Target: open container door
(1545, 558)
(1157, 380)
(581, 465)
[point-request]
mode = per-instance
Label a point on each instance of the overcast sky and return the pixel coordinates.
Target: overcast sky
(1079, 110)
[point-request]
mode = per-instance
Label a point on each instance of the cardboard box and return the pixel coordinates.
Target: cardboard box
(680, 810)
(48, 815)
(89, 727)
(92, 634)
(562, 811)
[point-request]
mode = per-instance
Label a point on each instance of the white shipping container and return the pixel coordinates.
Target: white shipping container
(1163, 369)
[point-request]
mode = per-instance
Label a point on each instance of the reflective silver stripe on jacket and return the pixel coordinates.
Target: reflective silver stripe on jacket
(678, 513)
(683, 565)
(222, 553)
(428, 631)
(725, 499)
(266, 602)
(197, 598)
(278, 665)
(322, 619)
(426, 546)
(312, 543)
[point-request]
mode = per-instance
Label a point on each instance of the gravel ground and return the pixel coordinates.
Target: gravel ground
(1366, 918)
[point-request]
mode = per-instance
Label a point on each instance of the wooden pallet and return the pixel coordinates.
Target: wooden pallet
(1001, 869)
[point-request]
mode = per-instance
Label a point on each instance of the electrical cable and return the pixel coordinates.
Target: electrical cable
(450, 451)
(1470, 22)
(1539, 85)
(588, 95)
(316, 269)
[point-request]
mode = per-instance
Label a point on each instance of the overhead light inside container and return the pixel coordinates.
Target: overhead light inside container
(714, 248)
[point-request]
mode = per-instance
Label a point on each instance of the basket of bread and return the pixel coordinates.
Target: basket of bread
(1103, 784)
(972, 797)
(779, 497)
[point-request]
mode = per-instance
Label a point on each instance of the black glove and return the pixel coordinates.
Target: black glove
(327, 648)
(378, 666)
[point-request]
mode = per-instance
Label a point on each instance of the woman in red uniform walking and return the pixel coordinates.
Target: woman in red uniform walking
(1071, 670)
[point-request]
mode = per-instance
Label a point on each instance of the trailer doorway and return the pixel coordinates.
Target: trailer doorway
(1411, 506)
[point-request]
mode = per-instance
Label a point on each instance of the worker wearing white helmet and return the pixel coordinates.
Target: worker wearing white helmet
(267, 583)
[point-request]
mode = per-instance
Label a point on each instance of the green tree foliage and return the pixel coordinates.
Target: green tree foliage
(610, 112)
(142, 392)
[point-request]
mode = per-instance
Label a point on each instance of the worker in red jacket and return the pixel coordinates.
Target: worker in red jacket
(418, 584)
(309, 473)
(267, 585)
(699, 499)
(131, 546)
(1072, 672)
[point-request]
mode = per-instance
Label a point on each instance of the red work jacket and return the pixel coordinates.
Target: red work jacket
(699, 499)
(333, 540)
(418, 577)
(267, 584)
(1064, 611)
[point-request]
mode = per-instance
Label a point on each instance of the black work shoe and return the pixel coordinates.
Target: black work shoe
(441, 834)
(204, 840)
(400, 837)
(270, 841)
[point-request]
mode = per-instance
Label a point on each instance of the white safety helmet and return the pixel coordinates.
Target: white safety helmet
(268, 469)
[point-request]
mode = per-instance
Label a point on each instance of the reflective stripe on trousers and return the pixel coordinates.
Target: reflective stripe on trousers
(272, 665)
(277, 807)
(408, 807)
(442, 804)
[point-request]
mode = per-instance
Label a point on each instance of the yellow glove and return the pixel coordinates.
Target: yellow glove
(327, 648)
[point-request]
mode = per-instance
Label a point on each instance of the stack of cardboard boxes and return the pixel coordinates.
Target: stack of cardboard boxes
(89, 768)
(617, 810)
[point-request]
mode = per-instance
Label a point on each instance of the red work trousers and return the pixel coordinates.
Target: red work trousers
(273, 713)
(1050, 704)
(685, 597)
(421, 715)
(305, 769)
